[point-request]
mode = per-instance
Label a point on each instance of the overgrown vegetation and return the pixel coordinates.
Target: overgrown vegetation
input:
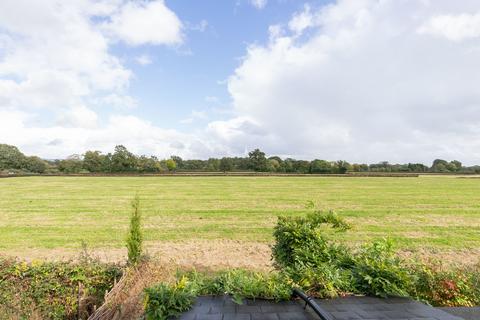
(446, 286)
(135, 236)
(53, 290)
(304, 252)
(164, 301)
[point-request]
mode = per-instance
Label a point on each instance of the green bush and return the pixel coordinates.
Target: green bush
(322, 267)
(447, 287)
(135, 237)
(163, 301)
(305, 255)
(242, 284)
(51, 289)
(300, 240)
(378, 271)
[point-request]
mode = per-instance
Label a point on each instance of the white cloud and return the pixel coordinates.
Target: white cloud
(143, 59)
(195, 115)
(361, 80)
(57, 72)
(138, 135)
(301, 21)
(453, 27)
(146, 22)
(118, 101)
(355, 80)
(259, 4)
(78, 117)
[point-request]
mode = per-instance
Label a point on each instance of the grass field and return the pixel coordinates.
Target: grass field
(435, 213)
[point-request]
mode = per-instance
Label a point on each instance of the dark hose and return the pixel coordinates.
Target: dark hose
(324, 315)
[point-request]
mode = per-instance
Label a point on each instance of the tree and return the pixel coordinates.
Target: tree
(11, 157)
(341, 167)
(178, 161)
(135, 236)
(93, 161)
(273, 165)
(417, 167)
(73, 164)
(35, 164)
(226, 164)
(213, 164)
(171, 165)
(301, 166)
(454, 166)
(289, 165)
(320, 166)
(148, 164)
(123, 160)
(257, 160)
(439, 165)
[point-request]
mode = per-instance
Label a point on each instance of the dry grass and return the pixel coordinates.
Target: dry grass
(200, 254)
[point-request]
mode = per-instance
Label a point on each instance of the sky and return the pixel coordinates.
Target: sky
(359, 80)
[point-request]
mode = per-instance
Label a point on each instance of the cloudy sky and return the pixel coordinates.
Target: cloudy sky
(361, 80)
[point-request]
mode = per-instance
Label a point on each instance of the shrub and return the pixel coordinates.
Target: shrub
(451, 287)
(135, 237)
(310, 259)
(299, 240)
(378, 271)
(50, 290)
(305, 255)
(242, 284)
(163, 301)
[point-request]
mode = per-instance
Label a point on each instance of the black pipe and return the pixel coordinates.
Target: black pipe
(324, 315)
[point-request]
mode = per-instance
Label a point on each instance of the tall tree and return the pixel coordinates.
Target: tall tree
(11, 157)
(257, 160)
(226, 164)
(35, 164)
(320, 166)
(73, 164)
(93, 161)
(123, 160)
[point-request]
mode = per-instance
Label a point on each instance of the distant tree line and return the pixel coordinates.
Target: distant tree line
(124, 161)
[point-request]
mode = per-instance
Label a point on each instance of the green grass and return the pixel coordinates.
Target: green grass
(60, 212)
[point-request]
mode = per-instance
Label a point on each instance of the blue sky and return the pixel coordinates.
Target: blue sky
(360, 80)
(190, 76)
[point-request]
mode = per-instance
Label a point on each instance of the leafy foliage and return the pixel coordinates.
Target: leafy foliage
(327, 269)
(299, 240)
(447, 287)
(378, 271)
(135, 237)
(52, 289)
(163, 301)
(242, 284)
(12, 158)
(304, 253)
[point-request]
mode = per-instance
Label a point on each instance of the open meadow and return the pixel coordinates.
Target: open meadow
(232, 218)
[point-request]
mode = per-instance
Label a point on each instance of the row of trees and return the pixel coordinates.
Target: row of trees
(124, 161)
(12, 159)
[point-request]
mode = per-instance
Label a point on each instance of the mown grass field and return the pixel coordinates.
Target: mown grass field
(60, 212)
